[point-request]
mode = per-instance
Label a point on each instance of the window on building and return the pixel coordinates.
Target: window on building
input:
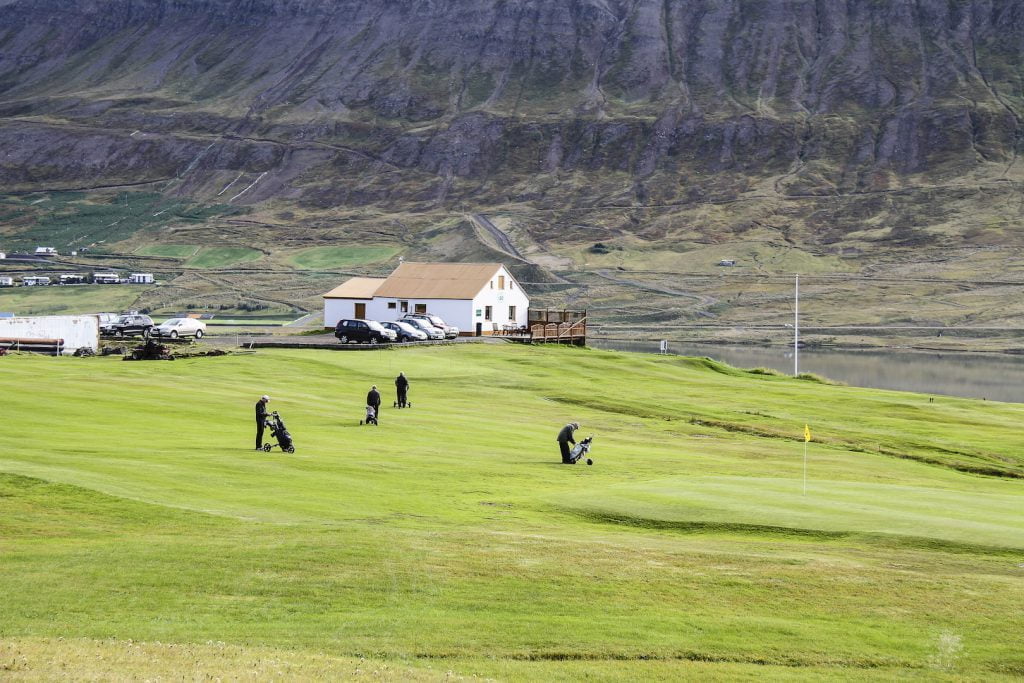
(392, 305)
(404, 306)
(492, 284)
(501, 282)
(511, 285)
(421, 308)
(511, 312)
(487, 312)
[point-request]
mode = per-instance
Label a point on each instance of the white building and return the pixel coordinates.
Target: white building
(141, 278)
(6, 281)
(106, 278)
(48, 251)
(35, 280)
(478, 298)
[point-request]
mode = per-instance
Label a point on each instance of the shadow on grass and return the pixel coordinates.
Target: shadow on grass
(900, 541)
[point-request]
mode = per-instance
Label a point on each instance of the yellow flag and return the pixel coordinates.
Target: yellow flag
(807, 433)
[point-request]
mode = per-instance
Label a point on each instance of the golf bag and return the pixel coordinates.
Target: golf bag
(280, 433)
(403, 400)
(580, 450)
(371, 417)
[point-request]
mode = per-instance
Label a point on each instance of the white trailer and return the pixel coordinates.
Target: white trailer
(68, 333)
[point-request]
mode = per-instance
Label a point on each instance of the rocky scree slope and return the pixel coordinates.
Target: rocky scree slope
(417, 104)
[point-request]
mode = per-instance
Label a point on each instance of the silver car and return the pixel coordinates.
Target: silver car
(179, 327)
(420, 324)
(405, 331)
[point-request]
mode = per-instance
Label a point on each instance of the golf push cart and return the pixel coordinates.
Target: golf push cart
(280, 433)
(581, 450)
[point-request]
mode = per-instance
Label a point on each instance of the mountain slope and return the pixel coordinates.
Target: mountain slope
(640, 121)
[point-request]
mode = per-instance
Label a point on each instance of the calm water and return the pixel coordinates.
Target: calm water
(993, 376)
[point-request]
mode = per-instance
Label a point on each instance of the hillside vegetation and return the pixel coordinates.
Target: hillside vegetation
(141, 535)
(861, 139)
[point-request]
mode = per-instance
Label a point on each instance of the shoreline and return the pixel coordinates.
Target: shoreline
(965, 345)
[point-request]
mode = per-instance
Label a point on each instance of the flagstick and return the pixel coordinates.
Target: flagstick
(805, 468)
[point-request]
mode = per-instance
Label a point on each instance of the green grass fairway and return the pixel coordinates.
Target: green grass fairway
(217, 257)
(69, 300)
(326, 258)
(142, 537)
(181, 251)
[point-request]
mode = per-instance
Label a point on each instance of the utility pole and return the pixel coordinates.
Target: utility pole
(796, 329)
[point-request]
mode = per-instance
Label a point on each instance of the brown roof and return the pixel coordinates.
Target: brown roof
(438, 280)
(356, 288)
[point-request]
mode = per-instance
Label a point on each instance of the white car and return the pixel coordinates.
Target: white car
(423, 325)
(450, 331)
(180, 327)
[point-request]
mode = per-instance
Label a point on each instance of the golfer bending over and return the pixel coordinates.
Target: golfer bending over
(564, 439)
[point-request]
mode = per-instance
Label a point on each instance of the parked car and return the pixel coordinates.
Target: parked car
(450, 331)
(369, 331)
(405, 332)
(180, 327)
(420, 324)
(128, 325)
(107, 318)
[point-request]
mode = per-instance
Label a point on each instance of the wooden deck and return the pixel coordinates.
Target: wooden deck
(549, 327)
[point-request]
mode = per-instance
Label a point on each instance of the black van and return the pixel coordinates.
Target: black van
(369, 331)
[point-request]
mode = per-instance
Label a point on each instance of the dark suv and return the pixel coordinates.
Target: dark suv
(128, 325)
(369, 331)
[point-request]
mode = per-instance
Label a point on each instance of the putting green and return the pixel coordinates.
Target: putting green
(770, 505)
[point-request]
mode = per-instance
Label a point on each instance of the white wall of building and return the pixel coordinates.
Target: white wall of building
(77, 331)
(336, 309)
(462, 313)
(453, 311)
(500, 299)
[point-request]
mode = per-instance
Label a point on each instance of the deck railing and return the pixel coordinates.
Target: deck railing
(561, 331)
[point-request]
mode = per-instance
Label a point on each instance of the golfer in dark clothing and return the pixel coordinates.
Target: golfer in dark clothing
(261, 420)
(402, 385)
(373, 399)
(564, 439)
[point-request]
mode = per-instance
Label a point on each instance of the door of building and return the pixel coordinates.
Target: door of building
(360, 310)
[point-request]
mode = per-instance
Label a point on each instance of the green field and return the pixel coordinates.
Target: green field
(69, 300)
(217, 257)
(325, 258)
(143, 537)
(181, 251)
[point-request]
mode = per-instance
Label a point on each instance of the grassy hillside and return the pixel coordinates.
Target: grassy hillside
(142, 535)
(69, 300)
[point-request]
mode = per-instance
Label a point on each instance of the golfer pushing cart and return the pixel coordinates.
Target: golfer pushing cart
(277, 429)
(578, 451)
